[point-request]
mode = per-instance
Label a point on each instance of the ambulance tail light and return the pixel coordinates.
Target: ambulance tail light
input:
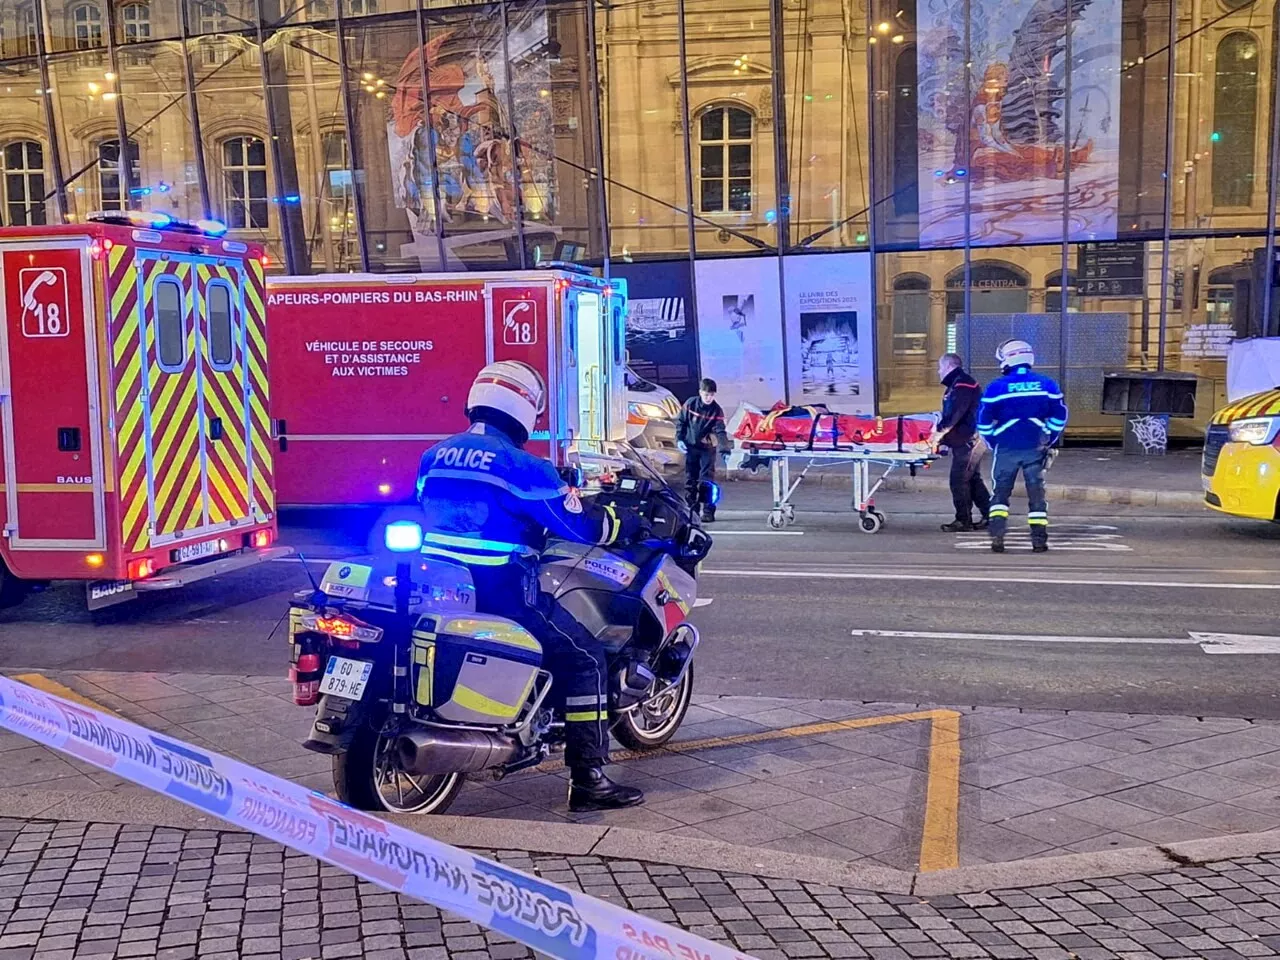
(259, 539)
(100, 248)
(141, 569)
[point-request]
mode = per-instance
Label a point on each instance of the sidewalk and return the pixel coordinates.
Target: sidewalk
(1090, 474)
(867, 785)
(96, 890)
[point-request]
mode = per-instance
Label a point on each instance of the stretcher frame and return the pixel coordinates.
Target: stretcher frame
(870, 520)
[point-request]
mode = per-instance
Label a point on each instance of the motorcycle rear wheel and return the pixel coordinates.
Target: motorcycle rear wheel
(369, 777)
(654, 722)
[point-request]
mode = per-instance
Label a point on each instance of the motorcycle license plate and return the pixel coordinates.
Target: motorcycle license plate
(346, 678)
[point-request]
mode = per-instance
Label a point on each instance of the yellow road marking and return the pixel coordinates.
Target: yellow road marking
(44, 684)
(940, 839)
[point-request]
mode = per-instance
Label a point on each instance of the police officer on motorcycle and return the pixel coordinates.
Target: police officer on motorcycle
(1021, 416)
(491, 505)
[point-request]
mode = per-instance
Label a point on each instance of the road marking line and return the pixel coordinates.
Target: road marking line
(1213, 643)
(940, 838)
(43, 683)
(759, 533)
(994, 577)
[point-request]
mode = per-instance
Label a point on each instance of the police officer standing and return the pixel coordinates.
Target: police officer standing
(957, 429)
(1021, 416)
(491, 505)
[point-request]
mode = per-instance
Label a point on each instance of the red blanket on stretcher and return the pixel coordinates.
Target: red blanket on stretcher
(816, 427)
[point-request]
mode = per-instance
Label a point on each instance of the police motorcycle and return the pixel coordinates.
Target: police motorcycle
(414, 691)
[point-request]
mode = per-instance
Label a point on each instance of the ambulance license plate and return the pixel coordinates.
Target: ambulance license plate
(194, 551)
(346, 678)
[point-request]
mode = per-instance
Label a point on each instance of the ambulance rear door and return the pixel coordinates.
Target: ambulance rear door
(49, 389)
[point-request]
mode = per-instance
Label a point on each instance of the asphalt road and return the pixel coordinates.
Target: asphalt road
(784, 608)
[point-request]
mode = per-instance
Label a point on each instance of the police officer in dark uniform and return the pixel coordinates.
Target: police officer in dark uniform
(491, 506)
(1021, 416)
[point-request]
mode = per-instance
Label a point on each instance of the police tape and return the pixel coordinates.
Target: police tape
(562, 923)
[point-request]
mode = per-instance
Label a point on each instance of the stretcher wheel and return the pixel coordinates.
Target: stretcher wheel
(777, 520)
(879, 516)
(789, 514)
(870, 522)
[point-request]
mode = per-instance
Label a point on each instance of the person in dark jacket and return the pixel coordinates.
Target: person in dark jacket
(701, 435)
(957, 430)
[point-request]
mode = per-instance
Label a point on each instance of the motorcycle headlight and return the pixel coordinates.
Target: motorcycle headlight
(1255, 430)
(650, 411)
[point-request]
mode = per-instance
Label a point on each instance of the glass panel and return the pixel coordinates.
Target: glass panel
(712, 165)
(85, 110)
(912, 328)
(157, 117)
(221, 341)
(171, 341)
(740, 160)
(711, 196)
(891, 54)
(731, 78)
(1144, 46)
(234, 132)
(827, 132)
(643, 131)
(77, 26)
(27, 161)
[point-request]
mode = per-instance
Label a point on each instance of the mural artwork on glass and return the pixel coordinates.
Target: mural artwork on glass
(1009, 132)
(470, 123)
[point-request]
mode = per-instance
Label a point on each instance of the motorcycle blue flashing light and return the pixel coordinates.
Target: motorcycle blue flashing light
(713, 492)
(403, 536)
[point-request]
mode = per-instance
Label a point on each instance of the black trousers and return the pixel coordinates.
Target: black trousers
(575, 658)
(699, 465)
(967, 487)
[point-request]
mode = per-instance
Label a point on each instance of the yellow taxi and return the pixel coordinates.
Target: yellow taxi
(1241, 465)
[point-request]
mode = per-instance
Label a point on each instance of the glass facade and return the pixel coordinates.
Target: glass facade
(1058, 159)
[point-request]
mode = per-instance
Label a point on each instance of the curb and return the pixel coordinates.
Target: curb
(573, 839)
(1055, 491)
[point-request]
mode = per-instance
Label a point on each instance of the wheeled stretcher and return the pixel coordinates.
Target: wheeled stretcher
(819, 437)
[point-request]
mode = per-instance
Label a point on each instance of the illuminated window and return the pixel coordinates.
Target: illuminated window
(724, 160)
(24, 183)
(86, 23)
(244, 183)
(1235, 119)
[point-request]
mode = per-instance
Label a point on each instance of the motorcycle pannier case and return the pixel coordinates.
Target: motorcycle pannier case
(473, 669)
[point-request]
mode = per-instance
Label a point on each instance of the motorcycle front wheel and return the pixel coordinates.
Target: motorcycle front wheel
(369, 776)
(653, 722)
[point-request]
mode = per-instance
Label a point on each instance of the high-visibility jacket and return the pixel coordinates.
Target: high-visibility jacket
(1023, 410)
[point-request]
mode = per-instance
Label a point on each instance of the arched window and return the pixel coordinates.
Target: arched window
(1235, 119)
(910, 314)
(28, 46)
(86, 25)
(112, 195)
(1053, 292)
(24, 183)
(245, 201)
(338, 191)
(906, 135)
(135, 21)
(724, 160)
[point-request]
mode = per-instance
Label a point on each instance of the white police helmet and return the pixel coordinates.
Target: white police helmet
(1015, 353)
(511, 387)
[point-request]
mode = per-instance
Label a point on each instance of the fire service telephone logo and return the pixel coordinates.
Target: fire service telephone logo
(520, 323)
(45, 310)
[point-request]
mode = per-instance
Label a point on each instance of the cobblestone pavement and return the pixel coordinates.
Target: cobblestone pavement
(791, 775)
(74, 891)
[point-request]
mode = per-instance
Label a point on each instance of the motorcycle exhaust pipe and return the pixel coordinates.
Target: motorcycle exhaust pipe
(433, 752)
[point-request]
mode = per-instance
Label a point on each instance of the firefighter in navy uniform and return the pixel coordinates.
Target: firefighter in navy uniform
(1021, 417)
(491, 506)
(701, 435)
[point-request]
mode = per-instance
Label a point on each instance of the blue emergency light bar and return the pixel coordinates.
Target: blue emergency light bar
(156, 220)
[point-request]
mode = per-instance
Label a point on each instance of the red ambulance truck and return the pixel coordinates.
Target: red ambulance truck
(368, 370)
(133, 406)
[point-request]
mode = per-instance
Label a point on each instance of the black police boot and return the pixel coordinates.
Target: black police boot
(997, 544)
(981, 523)
(956, 526)
(590, 789)
(1039, 546)
(708, 514)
